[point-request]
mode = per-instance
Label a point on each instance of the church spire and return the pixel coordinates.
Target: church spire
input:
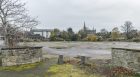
(85, 26)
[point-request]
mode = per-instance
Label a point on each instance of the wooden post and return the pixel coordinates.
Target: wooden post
(60, 59)
(83, 58)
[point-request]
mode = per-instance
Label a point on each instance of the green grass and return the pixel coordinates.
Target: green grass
(68, 70)
(136, 75)
(20, 67)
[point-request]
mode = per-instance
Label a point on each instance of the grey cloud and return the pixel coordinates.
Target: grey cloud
(72, 13)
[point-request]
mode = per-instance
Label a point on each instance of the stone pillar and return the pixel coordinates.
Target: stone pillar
(83, 58)
(60, 59)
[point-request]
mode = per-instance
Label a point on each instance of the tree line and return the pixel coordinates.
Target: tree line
(14, 19)
(125, 33)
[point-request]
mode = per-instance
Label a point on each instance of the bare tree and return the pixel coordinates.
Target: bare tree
(127, 28)
(13, 18)
(104, 34)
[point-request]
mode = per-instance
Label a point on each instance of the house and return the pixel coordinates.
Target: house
(40, 33)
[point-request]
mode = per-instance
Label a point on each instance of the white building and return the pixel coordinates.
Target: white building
(42, 32)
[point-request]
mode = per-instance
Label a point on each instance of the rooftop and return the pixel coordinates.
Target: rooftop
(40, 30)
(128, 49)
(21, 48)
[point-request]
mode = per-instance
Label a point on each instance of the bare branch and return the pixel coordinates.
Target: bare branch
(14, 17)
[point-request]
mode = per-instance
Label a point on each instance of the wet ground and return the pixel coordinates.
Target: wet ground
(96, 50)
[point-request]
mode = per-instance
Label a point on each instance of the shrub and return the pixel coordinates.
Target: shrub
(121, 72)
(56, 39)
(92, 38)
(136, 75)
(99, 38)
(136, 40)
(85, 39)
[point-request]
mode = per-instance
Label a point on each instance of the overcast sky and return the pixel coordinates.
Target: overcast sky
(96, 13)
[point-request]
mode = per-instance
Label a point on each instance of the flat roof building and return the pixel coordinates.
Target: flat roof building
(45, 33)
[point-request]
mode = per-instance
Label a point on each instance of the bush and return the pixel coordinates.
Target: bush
(110, 39)
(92, 38)
(56, 39)
(85, 39)
(26, 40)
(121, 72)
(136, 40)
(99, 38)
(136, 75)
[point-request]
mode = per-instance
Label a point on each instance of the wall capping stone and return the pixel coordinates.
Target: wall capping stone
(128, 49)
(126, 57)
(21, 48)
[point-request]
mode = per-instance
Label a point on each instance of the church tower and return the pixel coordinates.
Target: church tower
(85, 26)
(94, 30)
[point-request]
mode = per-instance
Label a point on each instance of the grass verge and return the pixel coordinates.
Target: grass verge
(20, 67)
(68, 70)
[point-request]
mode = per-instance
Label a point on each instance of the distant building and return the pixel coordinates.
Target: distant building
(40, 33)
(89, 31)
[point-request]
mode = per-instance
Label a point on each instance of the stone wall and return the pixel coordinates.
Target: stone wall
(128, 58)
(17, 56)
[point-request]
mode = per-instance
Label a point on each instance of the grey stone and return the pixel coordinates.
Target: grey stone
(128, 58)
(17, 56)
(60, 59)
(83, 58)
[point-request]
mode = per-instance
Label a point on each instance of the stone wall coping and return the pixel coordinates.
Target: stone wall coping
(128, 49)
(21, 48)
